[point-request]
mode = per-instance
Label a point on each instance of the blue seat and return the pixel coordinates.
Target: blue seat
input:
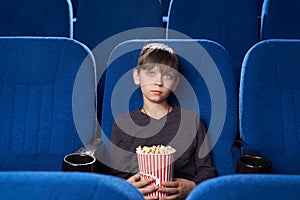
(233, 24)
(99, 20)
(65, 185)
(259, 4)
(47, 106)
(102, 25)
(248, 187)
(75, 7)
(280, 19)
(36, 18)
(269, 103)
(208, 86)
(165, 6)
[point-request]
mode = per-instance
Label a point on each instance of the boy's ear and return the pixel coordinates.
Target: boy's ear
(136, 77)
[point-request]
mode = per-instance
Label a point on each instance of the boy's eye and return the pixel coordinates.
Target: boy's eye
(151, 73)
(168, 76)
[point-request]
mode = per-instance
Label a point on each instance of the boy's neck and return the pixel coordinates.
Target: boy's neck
(156, 111)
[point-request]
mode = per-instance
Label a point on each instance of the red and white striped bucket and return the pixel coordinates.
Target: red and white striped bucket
(157, 166)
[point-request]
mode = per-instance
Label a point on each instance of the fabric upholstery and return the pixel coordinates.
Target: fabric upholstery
(165, 6)
(36, 18)
(65, 185)
(99, 20)
(75, 7)
(248, 187)
(195, 56)
(269, 103)
(43, 102)
(102, 25)
(259, 4)
(233, 24)
(280, 19)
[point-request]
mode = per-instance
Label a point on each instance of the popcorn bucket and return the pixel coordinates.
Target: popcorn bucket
(157, 166)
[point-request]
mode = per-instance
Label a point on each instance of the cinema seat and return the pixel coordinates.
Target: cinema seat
(36, 18)
(231, 23)
(269, 103)
(47, 106)
(65, 185)
(280, 19)
(208, 86)
(248, 187)
(102, 25)
(99, 20)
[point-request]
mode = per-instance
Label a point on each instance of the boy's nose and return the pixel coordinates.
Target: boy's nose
(158, 79)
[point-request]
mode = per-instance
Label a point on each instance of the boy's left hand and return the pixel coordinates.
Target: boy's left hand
(177, 189)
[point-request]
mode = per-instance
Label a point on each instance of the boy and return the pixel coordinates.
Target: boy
(159, 123)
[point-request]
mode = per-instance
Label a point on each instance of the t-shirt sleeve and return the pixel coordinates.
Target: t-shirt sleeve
(118, 161)
(203, 161)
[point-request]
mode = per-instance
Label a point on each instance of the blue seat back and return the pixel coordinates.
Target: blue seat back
(207, 86)
(36, 18)
(75, 7)
(258, 186)
(47, 106)
(165, 6)
(102, 25)
(280, 19)
(99, 20)
(269, 103)
(65, 185)
(233, 24)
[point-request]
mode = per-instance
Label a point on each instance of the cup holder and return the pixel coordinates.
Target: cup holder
(253, 164)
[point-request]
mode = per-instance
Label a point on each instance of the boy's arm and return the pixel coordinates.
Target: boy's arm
(204, 165)
(118, 161)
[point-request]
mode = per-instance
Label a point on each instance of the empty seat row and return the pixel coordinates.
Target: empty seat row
(233, 24)
(69, 185)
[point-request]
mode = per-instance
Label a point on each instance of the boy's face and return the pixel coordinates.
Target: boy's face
(156, 82)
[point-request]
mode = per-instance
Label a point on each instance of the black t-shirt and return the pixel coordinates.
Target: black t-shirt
(182, 129)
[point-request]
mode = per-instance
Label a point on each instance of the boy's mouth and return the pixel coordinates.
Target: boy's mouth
(156, 92)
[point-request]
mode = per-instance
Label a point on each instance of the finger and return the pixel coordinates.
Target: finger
(174, 184)
(134, 178)
(168, 190)
(147, 190)
(143, 183)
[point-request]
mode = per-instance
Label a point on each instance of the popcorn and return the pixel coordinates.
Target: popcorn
(159, 149)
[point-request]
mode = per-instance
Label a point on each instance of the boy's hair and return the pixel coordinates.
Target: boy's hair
(158, 53)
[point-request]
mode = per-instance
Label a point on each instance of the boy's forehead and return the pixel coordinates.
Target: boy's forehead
(159, 59)
(159, 66)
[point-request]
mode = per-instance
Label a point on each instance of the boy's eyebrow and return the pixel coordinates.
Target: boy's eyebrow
(161, 67)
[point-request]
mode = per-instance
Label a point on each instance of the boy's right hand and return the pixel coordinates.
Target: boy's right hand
(141, 185)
